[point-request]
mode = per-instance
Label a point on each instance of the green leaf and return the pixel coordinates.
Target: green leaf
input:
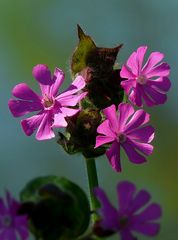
(85, 47)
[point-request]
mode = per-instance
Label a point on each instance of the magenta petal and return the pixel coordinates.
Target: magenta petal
(154, 58)
(146, 228)
(30, 124)
(59, 120)
(3, 209)
(45, 131)
(70, 100)
(140, 56)
(148, 101)
(144, 134)
(113, 155)
(157, 97)
(127, 235)
(145, 148)
(132, 154)
(108, 212)
(133, 64)
(9, 234)
(100, 140)
(104, 129)
(125, 111)
(161, 84)
(77, 85)
(139, 118)
(58, 79)
(23, 91)
(111, 115)
(135, 96)
(139, 201)
(126, 72)
(42, 74)
(69, 111)
(19, 108)
(125, 191)
(152, 212)
(128, 85)
(161, 70)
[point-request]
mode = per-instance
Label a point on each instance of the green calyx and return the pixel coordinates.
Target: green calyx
(57, 208)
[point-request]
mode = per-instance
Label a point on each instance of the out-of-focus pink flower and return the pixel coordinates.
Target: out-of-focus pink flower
(127, 129)
(131, 216)
(12, 225)
(149, 82)
(52, 107)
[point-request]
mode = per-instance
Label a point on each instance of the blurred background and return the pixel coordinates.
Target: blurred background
(42, 31)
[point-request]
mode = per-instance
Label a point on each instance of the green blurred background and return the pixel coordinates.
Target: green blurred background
(44, 31)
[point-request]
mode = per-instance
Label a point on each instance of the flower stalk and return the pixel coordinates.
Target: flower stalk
(92, 182)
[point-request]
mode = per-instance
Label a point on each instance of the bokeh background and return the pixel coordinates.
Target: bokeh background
(44, 31)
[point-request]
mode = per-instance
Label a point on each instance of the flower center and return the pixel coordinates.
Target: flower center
(141, 79)
(123, 221)
(48, 102)
(121, 138)
(6, 221)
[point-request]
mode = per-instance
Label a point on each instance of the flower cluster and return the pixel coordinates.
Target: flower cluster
(98, 114)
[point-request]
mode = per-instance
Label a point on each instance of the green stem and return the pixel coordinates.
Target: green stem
(93, 182)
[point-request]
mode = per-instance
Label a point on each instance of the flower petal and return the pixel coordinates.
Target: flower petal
(59, 120)
(30, 124)
(70, 100)
(23, 91)
(108, 212)
(144, 134)
(3, 209)
(161, 84)
(146, 228)
(100, 140)
(77, 85)
(152, 212)
(140, 56)
(139, 201)
(161, 70)
(113, 155)
(139, 118)
(58, 79)
(157, 97)
(135, 95)
(154, 58)
(128, 85)
(132, 154)
(45, 131)
(69, 111)
(19, 108)
(133, 64)
(125, 112)
(104, 128)
(127, 235)
(145, 148)
(111, 115)
(126, 72)
(42, 74)
(125, 191)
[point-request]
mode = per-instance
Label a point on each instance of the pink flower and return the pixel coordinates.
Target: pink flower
(12, 225)
(127, 129)
(52, 107)
(131, 215)
(149, 82)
